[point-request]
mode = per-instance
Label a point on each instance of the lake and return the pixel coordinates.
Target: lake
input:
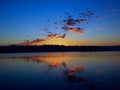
(60, 71)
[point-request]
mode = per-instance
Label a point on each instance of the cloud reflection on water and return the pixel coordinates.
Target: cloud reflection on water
(86, 71)
(70, 74)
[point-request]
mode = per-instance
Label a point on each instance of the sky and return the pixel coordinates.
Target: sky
(60, 22)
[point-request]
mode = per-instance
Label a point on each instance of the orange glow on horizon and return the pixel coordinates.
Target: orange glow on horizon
(70, 42)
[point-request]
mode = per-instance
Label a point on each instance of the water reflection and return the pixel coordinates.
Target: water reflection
(69, 74)
(48, 61)
(72, 74)
(60, 71)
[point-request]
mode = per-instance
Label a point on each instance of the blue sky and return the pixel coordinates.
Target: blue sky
(22, 20)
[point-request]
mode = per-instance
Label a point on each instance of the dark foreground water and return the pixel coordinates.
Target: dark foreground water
(60, 71)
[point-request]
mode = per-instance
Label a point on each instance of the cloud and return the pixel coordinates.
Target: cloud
(38, 41)
(56, 36)
(69, 24)
(33, 42)
(87, 13)
(78, 21)
(99, 17)
(74, 30)
(73, 22)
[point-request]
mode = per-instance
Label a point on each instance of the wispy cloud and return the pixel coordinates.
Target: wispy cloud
(33, 42)
(38, 41)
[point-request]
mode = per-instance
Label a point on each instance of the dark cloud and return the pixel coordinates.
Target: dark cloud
(74, 30)
(87, 13)
(78, 21)
(56, 36)
(71, 24)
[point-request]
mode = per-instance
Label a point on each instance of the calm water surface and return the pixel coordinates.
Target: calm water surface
(60, 71)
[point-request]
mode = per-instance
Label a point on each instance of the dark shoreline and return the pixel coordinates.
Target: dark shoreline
(56, 48)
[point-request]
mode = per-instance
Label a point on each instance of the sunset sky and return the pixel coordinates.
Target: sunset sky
(60, 22)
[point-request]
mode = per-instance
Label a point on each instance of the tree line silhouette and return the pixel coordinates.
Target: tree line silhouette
(55, 48)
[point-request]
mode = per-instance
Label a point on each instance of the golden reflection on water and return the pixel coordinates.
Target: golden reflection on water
(55, 61)
(71, 74)
(73, 67)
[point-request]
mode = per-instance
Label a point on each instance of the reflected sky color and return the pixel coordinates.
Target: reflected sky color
(85, 71)
(35, 20)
